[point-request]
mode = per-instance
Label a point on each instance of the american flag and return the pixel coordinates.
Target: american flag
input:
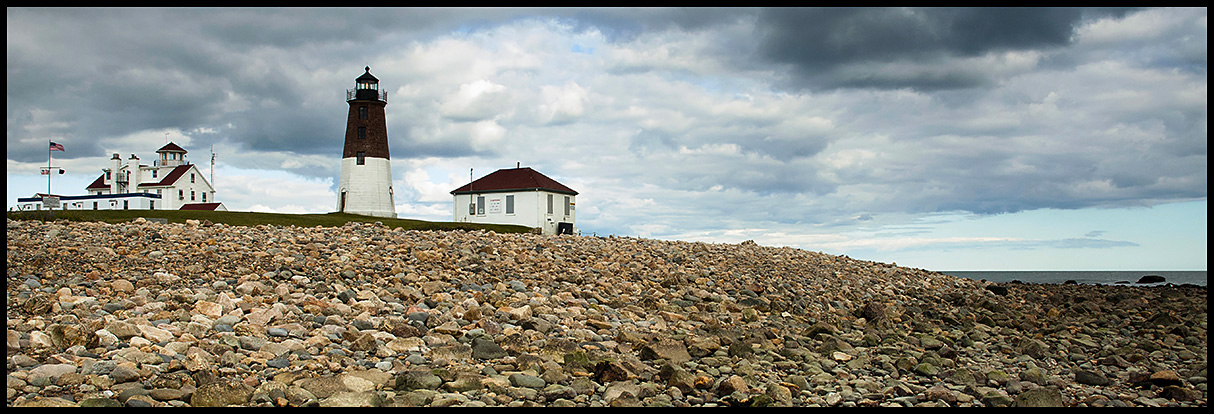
(46, 171)
(56, 147)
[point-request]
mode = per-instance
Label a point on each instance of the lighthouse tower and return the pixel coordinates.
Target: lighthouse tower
(366, 172)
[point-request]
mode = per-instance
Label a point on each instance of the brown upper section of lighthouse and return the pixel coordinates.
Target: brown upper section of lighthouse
(366, 125)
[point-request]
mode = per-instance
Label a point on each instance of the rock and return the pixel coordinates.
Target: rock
(50, 371)
(526, 381)
(122, 285)
(670, 350)
(1090, 377)
(611, 371)
(927, 370)
(209, 309)
(166, 394)
(732, 384)
(47, 402)
(278, 315)
(624, 392)
(100, 402)
(1165, 378)
(1152, 279)
(1034, 348)
(124, 373)
(325, 387)
(221, 393)
(874, 312)
(485, 348)
(995, 398)
(353, 399)
(941, 393)
(1049, 396)
(1178, 393)
(415, 380)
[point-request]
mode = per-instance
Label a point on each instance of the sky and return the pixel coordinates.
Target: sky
(942, 139)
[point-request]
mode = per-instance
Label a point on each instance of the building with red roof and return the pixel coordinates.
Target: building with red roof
(170, 183)
(520, 196)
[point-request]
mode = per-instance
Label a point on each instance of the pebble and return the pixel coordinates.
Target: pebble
(364, 315)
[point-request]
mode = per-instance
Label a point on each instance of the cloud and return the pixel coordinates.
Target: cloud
(925, 49)
(700, 122)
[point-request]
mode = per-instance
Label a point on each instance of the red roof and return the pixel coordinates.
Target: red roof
(200, 206)
(514, 179)
(171, 147)
(99, 184)
(169, 178)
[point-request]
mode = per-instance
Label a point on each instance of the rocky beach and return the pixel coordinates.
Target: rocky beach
(201, 314)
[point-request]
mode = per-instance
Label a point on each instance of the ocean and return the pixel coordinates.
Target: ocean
(1101, 277)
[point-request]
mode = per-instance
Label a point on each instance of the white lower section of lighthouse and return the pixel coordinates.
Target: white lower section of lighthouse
(366, 189)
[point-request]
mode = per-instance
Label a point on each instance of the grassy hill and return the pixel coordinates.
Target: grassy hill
(242, 218)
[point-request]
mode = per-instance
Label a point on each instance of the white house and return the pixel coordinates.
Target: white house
(170, 183)
(520, 196)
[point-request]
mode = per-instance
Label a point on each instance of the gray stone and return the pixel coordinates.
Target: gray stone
(1090, 378)
(415, 380)
(485, 348)
(526, 381)
(123, 373)
(1040, 397)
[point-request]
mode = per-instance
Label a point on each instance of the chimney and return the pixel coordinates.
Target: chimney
(133, 168)
(115, 170)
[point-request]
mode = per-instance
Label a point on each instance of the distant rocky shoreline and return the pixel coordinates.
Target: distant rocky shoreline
(174, 315)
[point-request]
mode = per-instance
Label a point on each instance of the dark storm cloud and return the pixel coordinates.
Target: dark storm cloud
(823, 47)
(111, 72)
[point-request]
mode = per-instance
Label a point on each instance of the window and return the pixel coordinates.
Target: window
(204, 196)
(549, 203)
(362, 158)
(191, 195)
(362, 112)
(151, 205)
(94, 205)
(509, 204)
(107, 175)
(191, 178)
(480, 206)
(567, 205)
(126, 204)
(180, 194)
(153, 173)
(362, 132)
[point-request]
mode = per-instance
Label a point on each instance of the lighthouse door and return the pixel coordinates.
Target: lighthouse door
(341, 208)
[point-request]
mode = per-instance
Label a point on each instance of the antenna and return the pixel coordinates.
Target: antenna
(212, 165)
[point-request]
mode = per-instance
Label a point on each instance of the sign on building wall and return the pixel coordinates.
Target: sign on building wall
(495, 206)
(50, 202)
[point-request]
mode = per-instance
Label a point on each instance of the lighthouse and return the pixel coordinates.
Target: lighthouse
(366, 172)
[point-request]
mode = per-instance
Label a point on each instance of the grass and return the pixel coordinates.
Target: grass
(242, 218)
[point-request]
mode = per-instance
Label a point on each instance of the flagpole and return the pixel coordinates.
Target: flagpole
(48, 167)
